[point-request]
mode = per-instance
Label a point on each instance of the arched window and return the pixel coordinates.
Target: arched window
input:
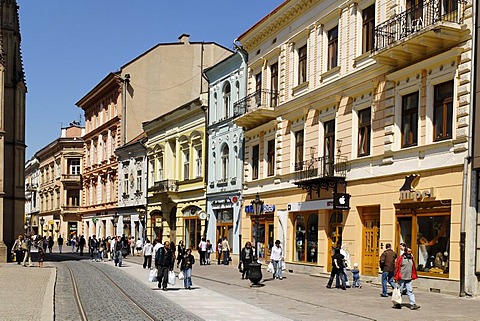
(225, 161)
(226, 100)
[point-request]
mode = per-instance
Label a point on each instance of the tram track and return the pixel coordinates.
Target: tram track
(78, 296)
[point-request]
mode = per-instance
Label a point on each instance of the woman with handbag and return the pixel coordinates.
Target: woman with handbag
(186, 268)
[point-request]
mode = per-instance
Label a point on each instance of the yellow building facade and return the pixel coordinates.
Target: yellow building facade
(358, 130)
(176, 176)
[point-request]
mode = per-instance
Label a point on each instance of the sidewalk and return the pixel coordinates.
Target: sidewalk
(309, 296)
(26, 293)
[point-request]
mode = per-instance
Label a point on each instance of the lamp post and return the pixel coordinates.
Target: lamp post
(42, 221)
(255, 268)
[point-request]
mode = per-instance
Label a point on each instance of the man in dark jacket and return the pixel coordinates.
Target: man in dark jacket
(337, 270)
(246, 258)
(164, 260)
(387, 264)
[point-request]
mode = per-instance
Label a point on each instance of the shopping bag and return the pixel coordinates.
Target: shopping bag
(396, 296)
(171, 278)
(152, 277)
(270, 267)
(284, 266)
(181, 276)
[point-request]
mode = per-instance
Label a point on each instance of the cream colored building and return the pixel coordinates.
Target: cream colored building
(176, 183)
(60, 183)
(156, 82)
(373, 102)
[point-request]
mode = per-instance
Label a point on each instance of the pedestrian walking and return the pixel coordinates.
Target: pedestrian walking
(60, 243)
(180, 252)
(276, 257)
(226, 251)
(81, 244)
(209, 252)
(44, 243)
(73, 243)
(356, 276)
(246, 257)
(405, 273)
(132, 245)
(147, 255)
(219, 251)
(387, 264)
(202, 250)
(50, 244)
(17, 249)
(41, 256)
(337, 270)
(139, 246)
(187, 262)
(164, 262)
(346, 261)
(26, 248)
(118, 258)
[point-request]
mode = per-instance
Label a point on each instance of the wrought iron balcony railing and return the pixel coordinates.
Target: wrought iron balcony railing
(321, 167)
(253, 101)
(416, 19)
(166, 185)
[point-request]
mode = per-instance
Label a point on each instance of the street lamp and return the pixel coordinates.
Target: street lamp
(42, 221)
(115, 221)
(255, 268)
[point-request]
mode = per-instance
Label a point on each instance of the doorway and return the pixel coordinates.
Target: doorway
(371, 237)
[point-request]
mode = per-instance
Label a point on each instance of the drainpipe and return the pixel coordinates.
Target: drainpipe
(464, 208)
(126, 81)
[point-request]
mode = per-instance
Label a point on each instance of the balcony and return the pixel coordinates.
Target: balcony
(164, 186)
(255, 109)
(419, 32)
(72, 181)
(321, 173)
(70, 209)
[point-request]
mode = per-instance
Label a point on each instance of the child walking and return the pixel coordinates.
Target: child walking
(356, 276)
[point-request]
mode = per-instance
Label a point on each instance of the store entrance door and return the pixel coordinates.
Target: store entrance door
(371, 236)
(225, 231)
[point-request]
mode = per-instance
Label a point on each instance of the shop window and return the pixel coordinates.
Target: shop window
(431, 244)
(192, 232)
(443, 111)
(306, 238)
(410, 119)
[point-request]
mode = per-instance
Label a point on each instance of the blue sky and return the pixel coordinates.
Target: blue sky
(69, 46)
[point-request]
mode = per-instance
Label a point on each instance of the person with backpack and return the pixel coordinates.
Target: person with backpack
(164, 261)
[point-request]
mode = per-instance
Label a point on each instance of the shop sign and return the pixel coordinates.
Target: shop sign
(265, 208)
(341, 201)
(416, 196)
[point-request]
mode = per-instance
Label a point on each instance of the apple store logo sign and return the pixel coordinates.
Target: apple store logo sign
(341, 201)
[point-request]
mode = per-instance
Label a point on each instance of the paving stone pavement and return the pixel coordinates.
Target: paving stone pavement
(26, 293)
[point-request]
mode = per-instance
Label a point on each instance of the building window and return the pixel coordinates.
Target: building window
(410, 119)
(329, 147)
(302, 64)
(368, 26)
(431, 246)
(104, 145)
(258, 89)
(186, 164)
(274, 84)
(364, 130)
(226, 101)
(271, 157)
(306, 238)
(139, 180)
(74, 166)
(198, 162)
(332, 48)
(225, 160)
(299, 150)
(443, 111)
(112, 142)
(160, 167)
(152, 172)
(125, 183)
(255, 161)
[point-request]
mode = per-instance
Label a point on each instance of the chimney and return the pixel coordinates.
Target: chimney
(184, 38)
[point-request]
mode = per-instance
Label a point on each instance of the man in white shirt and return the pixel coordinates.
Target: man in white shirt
(139, 246)
(112, 248)
(157, 245)
(276, 256)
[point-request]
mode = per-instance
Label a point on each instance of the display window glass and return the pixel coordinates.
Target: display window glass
(429, 238)
(306, 238)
